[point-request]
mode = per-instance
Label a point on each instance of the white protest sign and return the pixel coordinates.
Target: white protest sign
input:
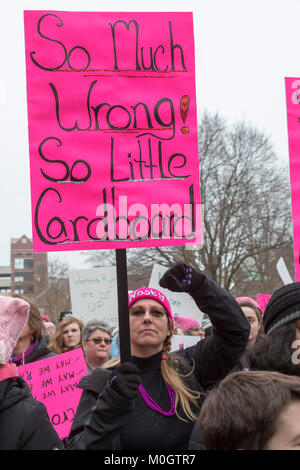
(283, 271)
(94, 294)
(181, 303)
(182, 342)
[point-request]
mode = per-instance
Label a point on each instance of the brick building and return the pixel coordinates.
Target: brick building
(5, 280)
(29, 270)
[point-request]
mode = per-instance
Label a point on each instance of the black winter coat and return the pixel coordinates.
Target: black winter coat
(104, 418)
(24, 422)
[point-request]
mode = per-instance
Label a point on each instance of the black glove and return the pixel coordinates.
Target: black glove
(181, 278)
(125, 380)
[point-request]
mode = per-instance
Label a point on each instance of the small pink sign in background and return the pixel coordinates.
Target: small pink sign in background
(293, 120)
(53, 382)
(112, 129)
(262, 300)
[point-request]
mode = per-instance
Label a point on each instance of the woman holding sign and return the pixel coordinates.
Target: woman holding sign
(154, 401)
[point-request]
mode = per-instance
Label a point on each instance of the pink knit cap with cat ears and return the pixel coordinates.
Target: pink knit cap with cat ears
(14, 314)
(150, 293)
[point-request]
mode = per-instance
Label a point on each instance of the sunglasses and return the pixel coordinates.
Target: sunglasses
(99, 340)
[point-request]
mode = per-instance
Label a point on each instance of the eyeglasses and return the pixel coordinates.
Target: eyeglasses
(99, 340)
(138, 312)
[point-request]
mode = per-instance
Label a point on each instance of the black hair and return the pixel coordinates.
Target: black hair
(274, 351)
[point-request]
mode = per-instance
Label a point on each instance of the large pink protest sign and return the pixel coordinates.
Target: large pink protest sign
(54, 382)
(112, 130)
(293, 119)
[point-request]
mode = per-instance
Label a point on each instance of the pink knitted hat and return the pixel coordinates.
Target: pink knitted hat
(150, 293)
(186, 322)
(248, 299)
(13, 317)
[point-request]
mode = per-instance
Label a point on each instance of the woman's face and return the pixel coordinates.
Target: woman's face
(149, 327)
(24, 340)
(197, 331)
(254, 323)
(97, 347)
(178, 331)
(71, 335)
(50, 330)
(26, 332)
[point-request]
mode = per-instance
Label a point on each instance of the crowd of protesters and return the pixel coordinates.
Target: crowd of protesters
(238, 387)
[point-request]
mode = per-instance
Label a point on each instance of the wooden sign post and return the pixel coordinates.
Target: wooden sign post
(122, 282)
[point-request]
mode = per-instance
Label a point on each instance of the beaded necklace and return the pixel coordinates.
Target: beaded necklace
(20, 360)
(152, 404)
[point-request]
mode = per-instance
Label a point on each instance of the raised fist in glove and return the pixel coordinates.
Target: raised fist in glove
(125, 380)
(181, 278)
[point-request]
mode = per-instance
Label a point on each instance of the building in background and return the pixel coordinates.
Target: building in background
(30, 275)
(5, 280)
(29, 270)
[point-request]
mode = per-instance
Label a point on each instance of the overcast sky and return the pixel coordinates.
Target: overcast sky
(244, 49)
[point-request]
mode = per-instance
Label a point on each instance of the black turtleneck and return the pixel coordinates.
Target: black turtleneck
(147, 429)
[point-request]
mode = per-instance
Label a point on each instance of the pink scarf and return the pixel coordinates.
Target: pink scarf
(8, 371)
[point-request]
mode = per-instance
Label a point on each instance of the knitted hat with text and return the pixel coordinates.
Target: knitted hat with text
(14, 314)
(151, 293)
(283, 307)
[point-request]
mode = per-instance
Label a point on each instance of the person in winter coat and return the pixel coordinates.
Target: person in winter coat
(253, 313)
(24, 422)
(153, 401)
(32, 344)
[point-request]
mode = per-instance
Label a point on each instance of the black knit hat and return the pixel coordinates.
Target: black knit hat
(283, 307)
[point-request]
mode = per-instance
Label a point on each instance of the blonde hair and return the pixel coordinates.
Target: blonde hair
(57, 342)
(184, 395)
